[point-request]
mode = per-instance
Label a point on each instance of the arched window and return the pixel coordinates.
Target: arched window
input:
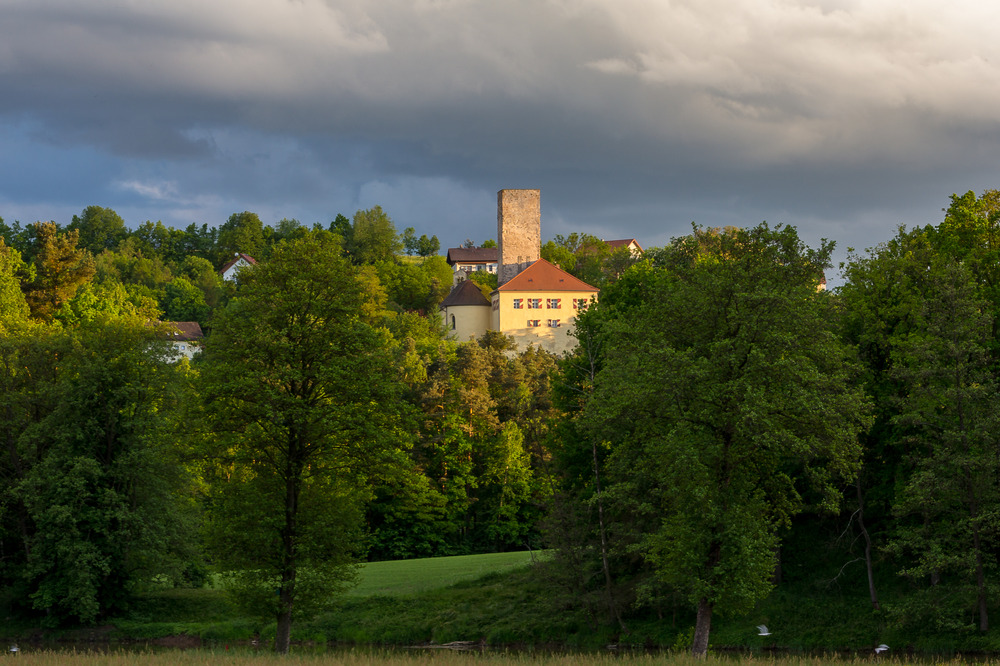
(453, 322)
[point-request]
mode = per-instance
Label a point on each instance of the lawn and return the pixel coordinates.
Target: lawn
(406, 577)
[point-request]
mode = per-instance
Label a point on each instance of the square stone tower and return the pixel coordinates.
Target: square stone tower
(519, 231)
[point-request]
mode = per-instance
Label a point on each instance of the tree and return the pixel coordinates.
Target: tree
(89, 477)
(410, 241)
(428, 246)
(13, 308)
(373, 237)
(302, 400)
(60, 269)
(182, 301)
(948, 423)
(720, 396)
(242, 232)
(100, 229)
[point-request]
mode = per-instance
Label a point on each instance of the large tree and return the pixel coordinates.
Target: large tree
(302, 396)
(60, 269)
(373, 237)
(89, 478)
(721, 395)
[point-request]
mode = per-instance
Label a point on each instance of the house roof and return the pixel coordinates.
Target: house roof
(543, 276)
(624, 242)
(239, 255)
(466, 293)
(473, 255)
(184, 331)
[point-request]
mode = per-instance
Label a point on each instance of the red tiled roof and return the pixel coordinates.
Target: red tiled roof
(239, 255)
(472, 255)
(543, 276)
(466, 293)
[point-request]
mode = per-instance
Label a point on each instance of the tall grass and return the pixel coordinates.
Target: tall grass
(222, 657)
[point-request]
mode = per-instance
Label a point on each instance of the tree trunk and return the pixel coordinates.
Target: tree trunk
(984, 620)
(702, 627)
(868, 545)
(289, 534)
(283, 635)
(608, 587)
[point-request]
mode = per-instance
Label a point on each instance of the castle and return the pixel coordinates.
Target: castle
(535, 303)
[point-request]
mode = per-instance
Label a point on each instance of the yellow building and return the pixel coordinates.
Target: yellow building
(539, 306)
(466, 312)
(536, 302)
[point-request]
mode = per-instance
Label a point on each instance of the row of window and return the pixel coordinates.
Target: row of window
(551, 323)
(550, 303)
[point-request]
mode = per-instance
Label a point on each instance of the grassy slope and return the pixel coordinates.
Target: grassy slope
(406, 577)
(502, 600)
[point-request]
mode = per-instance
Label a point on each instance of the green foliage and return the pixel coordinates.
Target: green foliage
(302, 398)
(242, 232)
(14, 308)
(721, 395)
(486, 281)
(182, 301)
(99, 228)
(60, 269)
(373, 237)
(91, 483)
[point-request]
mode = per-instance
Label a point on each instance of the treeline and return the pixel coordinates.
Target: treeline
(120, 469)
(719, 405)
(175, 271)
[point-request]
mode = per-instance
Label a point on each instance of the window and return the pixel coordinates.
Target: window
(534, 304)
(553, 303)
(554, 323)
(453, 322)
(579, 303)
(518, 303)
(533, 323)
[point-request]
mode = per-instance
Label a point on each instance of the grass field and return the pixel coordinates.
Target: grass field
(406, 577)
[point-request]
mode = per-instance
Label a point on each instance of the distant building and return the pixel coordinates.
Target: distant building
(536, 302)
(466, 311)
(539, 306)
(465, 260)
(185, 337)
(632, 244)
(239, 262)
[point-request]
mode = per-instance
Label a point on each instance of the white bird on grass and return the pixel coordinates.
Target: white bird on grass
(14, 649)
(881, 648)
(763, 630)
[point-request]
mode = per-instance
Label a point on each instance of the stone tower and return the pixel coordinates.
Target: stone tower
(519, 231)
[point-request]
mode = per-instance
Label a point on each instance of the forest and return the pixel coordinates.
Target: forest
(719, 406)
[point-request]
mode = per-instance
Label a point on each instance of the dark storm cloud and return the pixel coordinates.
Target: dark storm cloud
(634, 117)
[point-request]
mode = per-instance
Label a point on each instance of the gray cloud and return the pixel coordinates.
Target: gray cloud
(633, 116)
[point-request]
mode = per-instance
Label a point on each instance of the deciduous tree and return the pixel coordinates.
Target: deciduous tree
(302, 400)
(720, 396)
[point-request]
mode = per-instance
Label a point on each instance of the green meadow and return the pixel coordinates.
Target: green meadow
(406, 577)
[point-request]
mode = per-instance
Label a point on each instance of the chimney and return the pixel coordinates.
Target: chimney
(519, 231)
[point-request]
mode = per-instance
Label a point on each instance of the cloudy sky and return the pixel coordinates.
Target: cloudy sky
(844, 118)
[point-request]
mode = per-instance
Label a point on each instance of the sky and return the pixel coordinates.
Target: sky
(635, 118)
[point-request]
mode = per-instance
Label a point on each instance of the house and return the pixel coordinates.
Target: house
(185, 337)
(632, 244)
(239, 262)
(536, 302)
(465, 260)
(539, 305)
